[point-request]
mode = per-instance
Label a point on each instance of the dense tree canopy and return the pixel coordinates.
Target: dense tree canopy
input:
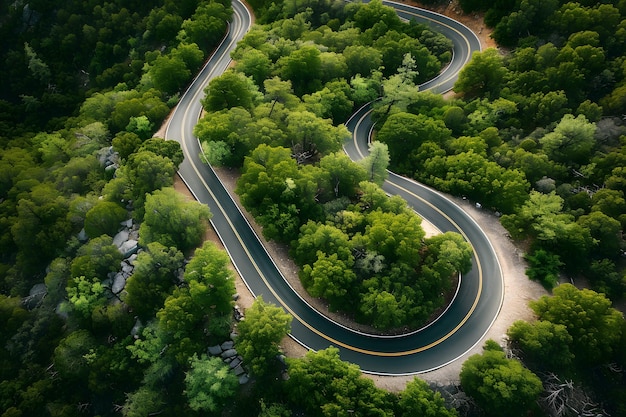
(259, 335)
(594, 326)
(173, 221)
(499, 385)
(81, 77)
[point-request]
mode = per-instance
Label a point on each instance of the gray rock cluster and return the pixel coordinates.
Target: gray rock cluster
(228, 353)
(127, 242)
(109, 159)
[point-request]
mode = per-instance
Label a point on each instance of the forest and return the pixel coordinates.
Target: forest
(94, 325)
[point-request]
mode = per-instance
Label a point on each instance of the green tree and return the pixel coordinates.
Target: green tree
(209, 266)
(543, 266)
(398, 237)
(231, 89)
(126, 143)
(370, 14)
(153, 278)
(451, 253)
(38, 68)
(499, 385)
(259, 335)
(571, 141)
(419, 399)
(595, 327)
(234, 128)
(609, 202)
(327, 239)
(209, 384)
(41, 226)
(383, 309)
(362, 60)
(104, 218)
(329, 278)
(96, 258)
(207, 25)
(145, 401)
(541, 218)
(190, 54)
(311, 136)
(144, 173)
(173, 221)
(483, 76)
(255, 64)
(85, 295)
(167, 148)
(398, 90)
(303, 68)
(322, 382)
(344, 174)
(606, 234)
(169, 73)
(376, 162)
(331, 102)
(544, 345)
(70, 356)
(404, 132)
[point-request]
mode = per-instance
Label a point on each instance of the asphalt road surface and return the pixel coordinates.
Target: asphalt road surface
(479, 295)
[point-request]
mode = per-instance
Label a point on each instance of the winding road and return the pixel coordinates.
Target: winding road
(480, 293)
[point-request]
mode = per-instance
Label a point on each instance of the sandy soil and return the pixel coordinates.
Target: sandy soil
(518, 288)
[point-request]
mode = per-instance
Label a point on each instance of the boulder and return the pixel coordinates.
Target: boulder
(215, 350)
(227, 345)
(131, 259)
(119, 282)
(243, 379)
(238, 370)
(127, 268)
(236, 361)
(229, 353)
(136, 328)
(82, 236)
(129, 247)
(120, 238)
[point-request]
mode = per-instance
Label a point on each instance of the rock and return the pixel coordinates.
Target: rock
(227, 345)
(229, 353)
(127, 268)
(134, 234)
(127, 223)
(236, 361)
(282, 359)
(82, 236)
(120, 238)
(119, 282)
(38, 289)
(215, 350)
(243, 379)
(233, 335)
(238, 370)
(129, 247)
(136, 328)
(235, 296)
(131, 259)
